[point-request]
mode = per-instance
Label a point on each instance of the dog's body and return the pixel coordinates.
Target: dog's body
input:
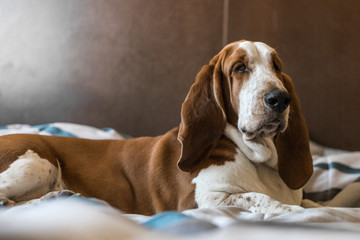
(98, 168)
(239, 143)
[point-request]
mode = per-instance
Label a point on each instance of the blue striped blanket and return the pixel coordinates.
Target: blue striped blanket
(335, 173)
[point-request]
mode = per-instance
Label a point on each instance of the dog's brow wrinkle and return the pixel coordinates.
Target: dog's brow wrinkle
(249, 48)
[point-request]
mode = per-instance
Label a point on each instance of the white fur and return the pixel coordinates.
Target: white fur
(252, 109)
(251, 181)
(30, 176)
(261, 150)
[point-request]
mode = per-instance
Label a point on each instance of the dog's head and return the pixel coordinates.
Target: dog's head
(244, 85)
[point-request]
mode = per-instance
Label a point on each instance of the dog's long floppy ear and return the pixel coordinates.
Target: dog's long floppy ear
(295, 161)
(202, 116)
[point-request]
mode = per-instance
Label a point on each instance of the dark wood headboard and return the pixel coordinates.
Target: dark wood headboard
(129, 64)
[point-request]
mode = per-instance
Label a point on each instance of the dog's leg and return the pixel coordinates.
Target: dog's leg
(348, 197)
(29, 177)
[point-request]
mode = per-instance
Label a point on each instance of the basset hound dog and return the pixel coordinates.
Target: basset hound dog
(242, 141)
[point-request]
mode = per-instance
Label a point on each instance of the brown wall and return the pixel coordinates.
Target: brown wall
(319, 43)
(129, 64)
(122, 64)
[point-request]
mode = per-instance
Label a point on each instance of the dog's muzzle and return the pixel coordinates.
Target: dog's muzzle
(277, 100)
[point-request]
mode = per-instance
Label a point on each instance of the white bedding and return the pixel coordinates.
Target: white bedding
(336, 172)
(80, 219)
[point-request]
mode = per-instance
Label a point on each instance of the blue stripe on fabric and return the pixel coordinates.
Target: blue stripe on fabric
(4, 127)
(108, 129)
(55, 131)
(178, 223)
(165, 219)
(338, 166)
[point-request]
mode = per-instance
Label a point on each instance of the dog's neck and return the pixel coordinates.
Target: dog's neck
(257, 150)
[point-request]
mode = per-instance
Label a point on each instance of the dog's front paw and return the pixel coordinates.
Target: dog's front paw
(285, 208)
(259, 203)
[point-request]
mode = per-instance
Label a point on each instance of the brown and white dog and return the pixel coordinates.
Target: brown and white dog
(242, 141)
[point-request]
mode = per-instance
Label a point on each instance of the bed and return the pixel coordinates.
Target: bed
(336, 176)
(120, 69)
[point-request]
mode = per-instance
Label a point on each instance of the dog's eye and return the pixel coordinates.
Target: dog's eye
(241, 69)
(276, 67)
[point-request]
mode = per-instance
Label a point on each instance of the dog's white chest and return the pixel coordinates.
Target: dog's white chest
(216, 183)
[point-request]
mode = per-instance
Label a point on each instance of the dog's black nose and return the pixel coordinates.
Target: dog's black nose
(277, 100)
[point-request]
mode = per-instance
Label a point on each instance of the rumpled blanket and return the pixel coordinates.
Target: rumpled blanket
(76, 218)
